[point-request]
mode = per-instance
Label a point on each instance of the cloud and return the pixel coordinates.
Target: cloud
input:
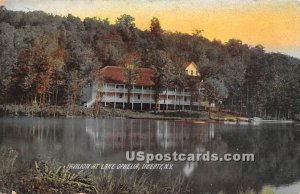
(2, 2)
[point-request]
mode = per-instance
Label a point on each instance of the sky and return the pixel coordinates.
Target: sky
(273, 23)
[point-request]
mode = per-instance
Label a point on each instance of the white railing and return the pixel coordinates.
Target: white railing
(168, 97)
(140, 90)
(135, 99)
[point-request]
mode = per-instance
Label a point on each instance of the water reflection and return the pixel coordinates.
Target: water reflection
(123, 135)
(276, 148)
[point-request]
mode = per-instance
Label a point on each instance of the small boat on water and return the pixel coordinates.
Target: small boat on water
(257, 120)
(230, 122)
(199, 122)
(243, 121)
(238, 120)
(253, 121)
(277, 121)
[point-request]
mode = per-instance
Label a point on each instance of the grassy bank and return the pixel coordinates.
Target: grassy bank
(105, 112)
(52, 178)
(102, 112)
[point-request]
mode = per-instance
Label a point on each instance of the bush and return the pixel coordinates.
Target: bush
(48, 178)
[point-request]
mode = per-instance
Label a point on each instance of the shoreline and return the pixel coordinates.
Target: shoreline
(105, 112)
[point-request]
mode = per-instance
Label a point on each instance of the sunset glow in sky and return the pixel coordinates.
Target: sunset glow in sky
(272, 23)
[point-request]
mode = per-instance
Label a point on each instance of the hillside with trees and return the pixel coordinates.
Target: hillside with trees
(49, 59)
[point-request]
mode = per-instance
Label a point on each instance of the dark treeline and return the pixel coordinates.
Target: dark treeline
(47, 59)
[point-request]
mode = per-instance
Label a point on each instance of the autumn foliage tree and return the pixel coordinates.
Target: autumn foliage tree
(48, 59)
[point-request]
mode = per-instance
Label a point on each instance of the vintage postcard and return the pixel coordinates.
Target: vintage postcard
(150, 96)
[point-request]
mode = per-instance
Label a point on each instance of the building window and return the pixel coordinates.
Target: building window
(185, 99)
(120, 95)
(192, 72)
(119, 86)
(139, 96)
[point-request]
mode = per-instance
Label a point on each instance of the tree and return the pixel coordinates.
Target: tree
(194, 84)
(131, 62)
(8, 56)
(126, 27)
(164, 74)
(79, 62)
(214, 90)
(74, 87)
(156, 33)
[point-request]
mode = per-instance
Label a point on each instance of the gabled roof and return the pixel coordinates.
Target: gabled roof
(117, 74)
(185, 65)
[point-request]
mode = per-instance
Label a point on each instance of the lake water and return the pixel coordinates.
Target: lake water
(276, 147)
